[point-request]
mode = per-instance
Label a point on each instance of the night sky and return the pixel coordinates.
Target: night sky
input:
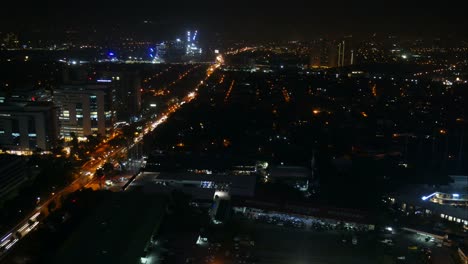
(247, 19)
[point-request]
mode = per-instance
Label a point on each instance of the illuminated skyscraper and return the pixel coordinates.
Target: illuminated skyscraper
(126, 85)
(191, 45)
(323, 55)
(345, 52)
(85, 109)
(341, 54)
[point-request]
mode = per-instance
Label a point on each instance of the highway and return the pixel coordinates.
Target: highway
(29, 223)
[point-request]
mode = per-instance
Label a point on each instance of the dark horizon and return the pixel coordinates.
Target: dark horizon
(242, 20)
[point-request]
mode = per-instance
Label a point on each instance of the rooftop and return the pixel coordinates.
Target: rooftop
(239, 185)
(412, 194)
(191, 176)
(290, 172)
(7, 160)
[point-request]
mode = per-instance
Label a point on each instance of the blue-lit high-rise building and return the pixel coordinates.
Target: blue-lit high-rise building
(178, 50)
(192, 49)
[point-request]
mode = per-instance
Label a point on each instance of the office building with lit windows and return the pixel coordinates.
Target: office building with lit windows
(85, 109)
(28, 126)
(127, 91)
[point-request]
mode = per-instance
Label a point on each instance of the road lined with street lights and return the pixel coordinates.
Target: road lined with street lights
(29, 223)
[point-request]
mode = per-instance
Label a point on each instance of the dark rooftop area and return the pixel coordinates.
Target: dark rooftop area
(117, 232)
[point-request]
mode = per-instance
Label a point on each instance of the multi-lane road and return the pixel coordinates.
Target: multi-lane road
(29, 223)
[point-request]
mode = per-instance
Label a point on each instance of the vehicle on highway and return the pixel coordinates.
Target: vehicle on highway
(5, 241)
(8, 245)
(33, 218)
(22, 231)
(386, 241)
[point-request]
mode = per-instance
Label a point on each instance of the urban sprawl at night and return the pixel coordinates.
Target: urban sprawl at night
(219, 133)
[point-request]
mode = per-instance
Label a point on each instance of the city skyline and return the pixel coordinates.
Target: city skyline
(254, 132)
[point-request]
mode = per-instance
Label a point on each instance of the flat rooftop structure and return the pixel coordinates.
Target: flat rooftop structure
(290, 172)
(191, 176)
(413, 194)
(117, 232)
(200, 185)
(420, 195)
(178, 161)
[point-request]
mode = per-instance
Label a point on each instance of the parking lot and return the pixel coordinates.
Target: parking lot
(293, 239)
(341, 242)
(288, 244)
(415, 248)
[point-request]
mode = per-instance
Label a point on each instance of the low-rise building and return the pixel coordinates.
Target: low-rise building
(200, 186)
(294, 176)
(449, 201)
